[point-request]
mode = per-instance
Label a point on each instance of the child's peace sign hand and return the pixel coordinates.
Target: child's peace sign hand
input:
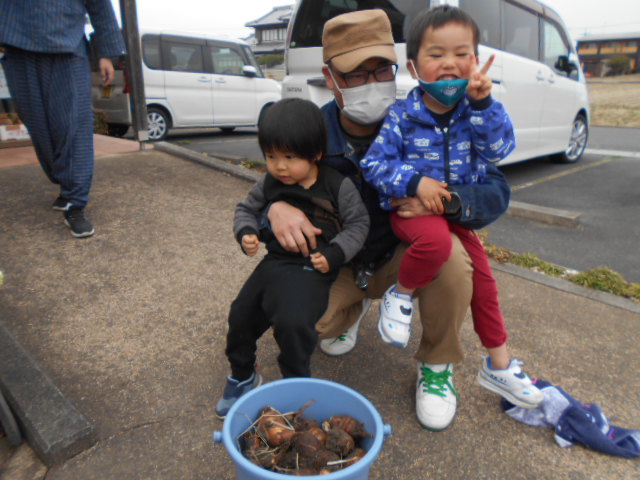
(479, 82)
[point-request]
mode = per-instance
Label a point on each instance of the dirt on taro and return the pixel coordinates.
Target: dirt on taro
(615, 101)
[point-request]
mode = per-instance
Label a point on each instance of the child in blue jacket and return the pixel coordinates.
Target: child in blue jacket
(445, 132)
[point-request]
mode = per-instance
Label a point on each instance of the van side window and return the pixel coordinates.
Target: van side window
(184, 57)
(312, 16)
(554, 47)
(251, 60)
(226, 60)
(151, 51)
(486, 15)
(521, 33)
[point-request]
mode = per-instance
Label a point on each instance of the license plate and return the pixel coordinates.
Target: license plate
(106, 92)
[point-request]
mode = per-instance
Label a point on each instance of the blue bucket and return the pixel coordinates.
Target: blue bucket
(328, 398)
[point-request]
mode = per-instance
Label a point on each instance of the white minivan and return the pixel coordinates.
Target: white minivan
(190, 81)
(536, 73)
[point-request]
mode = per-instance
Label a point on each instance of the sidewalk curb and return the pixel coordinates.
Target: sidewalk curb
(538, 213)
(567, 286)
(53, 426)
(548, 215)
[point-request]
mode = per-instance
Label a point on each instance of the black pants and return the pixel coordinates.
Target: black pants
(285, 295)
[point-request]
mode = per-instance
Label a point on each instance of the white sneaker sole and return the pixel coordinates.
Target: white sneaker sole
(391, 341)
(503, 392)
(81, 234)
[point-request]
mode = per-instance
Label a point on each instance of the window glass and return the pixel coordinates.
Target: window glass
(248, 54)
(554, 45)
(313, 14)
(521, 31)
(151, 51)
(486, 13)
(226, 60)
(184, 57)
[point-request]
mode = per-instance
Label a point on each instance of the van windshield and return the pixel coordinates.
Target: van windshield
(312, 15)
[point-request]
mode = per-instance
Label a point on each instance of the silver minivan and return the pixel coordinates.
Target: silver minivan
(536, 73)
(190, 81)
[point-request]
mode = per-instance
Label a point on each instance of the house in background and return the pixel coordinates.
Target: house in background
(270, 31)
(595, 50)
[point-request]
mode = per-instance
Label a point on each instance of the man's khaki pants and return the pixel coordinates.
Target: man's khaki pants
(442, 304)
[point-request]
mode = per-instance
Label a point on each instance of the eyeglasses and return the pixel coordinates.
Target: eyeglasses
(385, 73)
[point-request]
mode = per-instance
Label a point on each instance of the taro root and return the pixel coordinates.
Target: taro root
(305, 443)
(323, 457)
(349, 424)
(355, 456)
(320, 434)
(277, 433)
(339, 441)
(304, 471)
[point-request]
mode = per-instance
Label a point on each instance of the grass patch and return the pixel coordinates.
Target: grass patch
(183, 142)
(601, 278)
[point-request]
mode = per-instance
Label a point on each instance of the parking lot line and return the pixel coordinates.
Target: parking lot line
(538, 181)
(617, 153)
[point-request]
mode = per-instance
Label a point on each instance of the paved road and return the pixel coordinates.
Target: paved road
(604, 190)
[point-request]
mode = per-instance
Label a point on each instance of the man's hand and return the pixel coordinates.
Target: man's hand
(409, 207)
(319, 262)
(479, 82)
(292, 228)
(430, 193)
(250, 244)
(107, 71)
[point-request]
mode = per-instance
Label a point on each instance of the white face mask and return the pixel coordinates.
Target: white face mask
(368, 103)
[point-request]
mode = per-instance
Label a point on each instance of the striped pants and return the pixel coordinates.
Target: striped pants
(53, 98)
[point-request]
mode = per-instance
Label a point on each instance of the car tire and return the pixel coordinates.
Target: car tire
(577, 142)
(9, 425)
(227, 129)
(158, 124)
(117, 129)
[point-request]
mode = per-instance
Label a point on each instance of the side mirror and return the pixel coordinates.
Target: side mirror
(565, 65)
(249, 71)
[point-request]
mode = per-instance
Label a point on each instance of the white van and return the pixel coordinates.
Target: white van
(536, 73)
(190, 81)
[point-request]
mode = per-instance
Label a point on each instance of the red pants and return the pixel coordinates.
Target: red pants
(429, 238)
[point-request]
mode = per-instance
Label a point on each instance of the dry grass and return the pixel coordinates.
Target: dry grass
(613, 102)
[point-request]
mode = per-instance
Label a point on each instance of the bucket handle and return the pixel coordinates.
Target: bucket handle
(387, 430)
(217, 436)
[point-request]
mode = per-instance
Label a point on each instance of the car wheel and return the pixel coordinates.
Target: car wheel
(158, 121)
(117, 130)
(227, 129)
(577, 142)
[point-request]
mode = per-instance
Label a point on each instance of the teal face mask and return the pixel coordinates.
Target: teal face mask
(446, 92)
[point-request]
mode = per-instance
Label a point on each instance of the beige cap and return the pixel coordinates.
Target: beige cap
(351, 38)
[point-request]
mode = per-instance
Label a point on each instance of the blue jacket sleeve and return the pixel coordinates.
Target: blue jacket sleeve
(492, 136)
(382, 166)
(482, 204)
(108, 38)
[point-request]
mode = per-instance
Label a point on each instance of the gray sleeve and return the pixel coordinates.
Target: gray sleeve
(249, 210)
(355, 220)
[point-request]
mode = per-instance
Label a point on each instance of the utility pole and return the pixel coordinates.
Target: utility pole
(133, 62)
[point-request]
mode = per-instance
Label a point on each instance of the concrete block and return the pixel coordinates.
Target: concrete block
(52, 425)
(551, 216)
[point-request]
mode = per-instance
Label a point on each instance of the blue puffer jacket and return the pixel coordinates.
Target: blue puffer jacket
(411, 145)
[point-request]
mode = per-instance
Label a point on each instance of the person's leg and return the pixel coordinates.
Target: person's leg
(498, 373)
(247, 323)
(28, 74)
(429, 241)
(295, 298)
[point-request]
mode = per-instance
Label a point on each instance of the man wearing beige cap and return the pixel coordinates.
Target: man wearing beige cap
(360, 68)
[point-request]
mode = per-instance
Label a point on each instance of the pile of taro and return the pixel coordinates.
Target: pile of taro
(292, 444)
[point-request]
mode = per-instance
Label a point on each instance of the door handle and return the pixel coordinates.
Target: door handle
(221, 80)
(204, 79)
(552, 79)
(539, 76)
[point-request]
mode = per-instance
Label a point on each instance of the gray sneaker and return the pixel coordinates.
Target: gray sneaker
(75, 219)
(233, 390)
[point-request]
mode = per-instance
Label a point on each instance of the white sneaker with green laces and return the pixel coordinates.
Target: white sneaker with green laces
(436, 399)
(343, 344)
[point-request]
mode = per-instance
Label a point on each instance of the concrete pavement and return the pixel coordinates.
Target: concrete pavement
(130, 326)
